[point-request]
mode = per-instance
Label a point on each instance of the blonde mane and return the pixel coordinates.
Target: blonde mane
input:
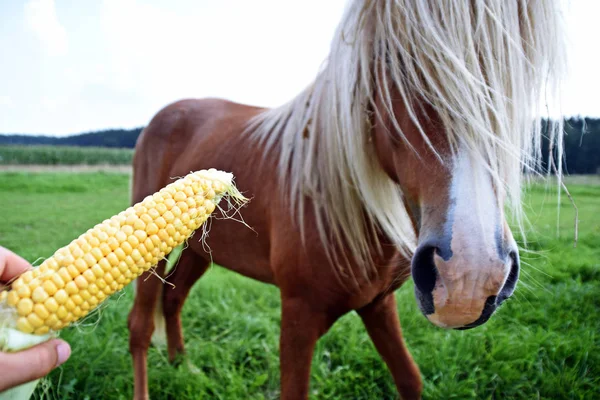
(483, 66)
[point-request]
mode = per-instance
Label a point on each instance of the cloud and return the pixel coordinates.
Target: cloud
(53, 103)
(42, 20)
(5, 101)
(166, 50)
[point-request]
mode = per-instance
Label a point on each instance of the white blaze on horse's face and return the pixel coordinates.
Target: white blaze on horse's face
(466, 266)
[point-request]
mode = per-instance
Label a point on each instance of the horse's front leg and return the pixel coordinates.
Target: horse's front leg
(383, 325)
(301, 327)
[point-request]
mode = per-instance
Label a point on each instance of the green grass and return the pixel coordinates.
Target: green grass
(63, 155)
(543, 344)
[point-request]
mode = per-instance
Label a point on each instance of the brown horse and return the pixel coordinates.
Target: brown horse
(397, 161)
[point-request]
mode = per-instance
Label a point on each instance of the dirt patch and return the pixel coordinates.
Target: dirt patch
(591, 180)
(125, 169)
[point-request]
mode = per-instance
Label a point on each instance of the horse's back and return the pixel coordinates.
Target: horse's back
(172, 138)
(176, 130)
(195, 134)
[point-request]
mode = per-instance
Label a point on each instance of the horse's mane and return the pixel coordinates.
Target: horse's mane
(483, 66)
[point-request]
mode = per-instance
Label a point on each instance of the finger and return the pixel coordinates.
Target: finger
(11, 265)
(33, 363)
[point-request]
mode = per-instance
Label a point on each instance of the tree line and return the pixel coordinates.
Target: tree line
(581, 146)
(116, 138)
(581, 143)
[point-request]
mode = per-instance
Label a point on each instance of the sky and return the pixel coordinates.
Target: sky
(71, 66)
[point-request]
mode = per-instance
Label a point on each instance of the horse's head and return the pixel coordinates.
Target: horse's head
(466, 261)
(456, 89)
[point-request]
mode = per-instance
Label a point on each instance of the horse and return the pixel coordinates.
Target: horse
(401, 160)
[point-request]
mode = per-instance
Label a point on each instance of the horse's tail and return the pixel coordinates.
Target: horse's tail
(159, 336)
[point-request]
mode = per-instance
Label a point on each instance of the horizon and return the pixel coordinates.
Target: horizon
(87, 67)
(96, 131)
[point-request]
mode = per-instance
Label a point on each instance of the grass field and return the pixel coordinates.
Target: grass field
(543, 344)
(63, 155)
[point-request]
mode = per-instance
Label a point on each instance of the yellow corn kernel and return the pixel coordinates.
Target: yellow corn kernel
(75, 250)
(97, 271)
(34, 320)
(77, 298)
(89, 259)
(57, 280)
(160, 222)
(25, 306)
(13, 298)
(108, 278)
(24, 291)
(145, 219)
(64, 274)
(97, 252)
(80, 265)
(89, 276)
(51, 320)
(104, 264)
(127, 229)
(58, 326)
(105, 258)
(93, 289)
(51, 305)
(52, 263)
(61, 296)
(126, 247)
(41, 311)
(113, 243)
(27, 276)
(182, 206)
(62, 312)
(139, 224)
(42, 330)
(49, 287)
(149, 245)
(85, 246)
(39, 295)
(85, 295)
(70, 305)
(81, 282)
(24, 326)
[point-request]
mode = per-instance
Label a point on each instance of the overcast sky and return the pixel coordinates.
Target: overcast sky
(68, 66)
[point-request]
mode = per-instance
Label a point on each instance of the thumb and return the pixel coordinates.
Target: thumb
(33, 363)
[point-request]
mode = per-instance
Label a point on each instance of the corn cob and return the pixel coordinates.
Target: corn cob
(103, 260)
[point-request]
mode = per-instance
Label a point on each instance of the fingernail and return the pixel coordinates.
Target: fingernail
(64, 351)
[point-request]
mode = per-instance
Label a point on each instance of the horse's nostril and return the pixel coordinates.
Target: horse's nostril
(513, 277)
(423, 269)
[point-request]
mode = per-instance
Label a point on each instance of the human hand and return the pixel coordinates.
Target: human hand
(35, 362)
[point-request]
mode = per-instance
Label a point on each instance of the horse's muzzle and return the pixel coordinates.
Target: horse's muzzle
(455, 291)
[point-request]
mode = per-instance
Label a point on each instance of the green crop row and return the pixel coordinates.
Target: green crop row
(63, 155)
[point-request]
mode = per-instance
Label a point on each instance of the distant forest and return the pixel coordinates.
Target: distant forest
(581, 146)
(119, 138)
(581, 143)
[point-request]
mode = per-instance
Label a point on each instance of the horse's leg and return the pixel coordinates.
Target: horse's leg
(188, 270)
(383, 325)
(301, 327)
(141, 326)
